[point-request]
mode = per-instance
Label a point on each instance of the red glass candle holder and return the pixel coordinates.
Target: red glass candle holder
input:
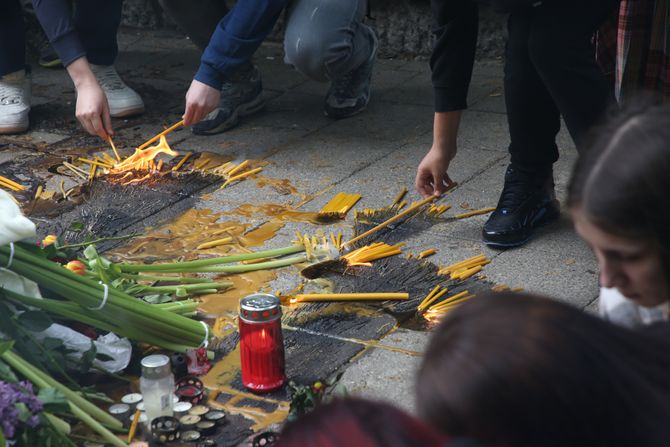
(261, 343)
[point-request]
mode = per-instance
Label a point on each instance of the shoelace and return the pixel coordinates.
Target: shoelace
(10, 94)
(109, 79)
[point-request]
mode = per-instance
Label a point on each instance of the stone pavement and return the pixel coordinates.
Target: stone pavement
(374, 154)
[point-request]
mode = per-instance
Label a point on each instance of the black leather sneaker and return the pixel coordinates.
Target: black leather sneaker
(527, 201)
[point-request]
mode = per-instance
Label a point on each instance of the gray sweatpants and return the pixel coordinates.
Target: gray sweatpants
(324, 39)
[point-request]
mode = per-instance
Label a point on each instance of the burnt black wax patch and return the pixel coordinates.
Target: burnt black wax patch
(396, 273)
(110, 209)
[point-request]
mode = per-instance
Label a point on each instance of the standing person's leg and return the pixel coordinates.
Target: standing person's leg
(198, 18)
(96, 24)
(561, 48)
(527, 199)
(328, 41)
(14, 81)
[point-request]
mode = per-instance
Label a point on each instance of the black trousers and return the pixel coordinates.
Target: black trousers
(550, 71)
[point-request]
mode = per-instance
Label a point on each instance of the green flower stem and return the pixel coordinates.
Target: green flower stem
(77, 313)
(204, 292)
(57, 423)
(129, 311)
(180, 279)
(148, 290)
(43, 380)
(88, 293)
(243, 268)
(95, 241)
(178, 308)
(96, 426)
(194, 266)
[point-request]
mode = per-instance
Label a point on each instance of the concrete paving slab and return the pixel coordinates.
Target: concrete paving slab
(384, 81)
(384, 121)
(293, 110)
(311, 164)
(416, 341)
(372, 376)
(556, 263)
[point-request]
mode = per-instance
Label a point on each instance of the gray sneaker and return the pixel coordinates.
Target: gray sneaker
(241, 96)
(350, 94)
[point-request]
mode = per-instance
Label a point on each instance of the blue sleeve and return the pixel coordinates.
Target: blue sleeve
(55, 16)
(236, 39)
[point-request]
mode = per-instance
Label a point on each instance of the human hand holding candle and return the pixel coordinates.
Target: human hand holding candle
(200, 100)
(431, 176)
(92, 109)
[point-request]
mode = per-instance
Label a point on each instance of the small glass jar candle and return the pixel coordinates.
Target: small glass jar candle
(157, 386)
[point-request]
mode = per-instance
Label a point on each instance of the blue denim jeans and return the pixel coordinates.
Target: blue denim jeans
(325, 39)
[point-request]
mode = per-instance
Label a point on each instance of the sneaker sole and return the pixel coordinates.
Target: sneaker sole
(544, 219)
(13, 129)
(339, 115)
(51, 64)
(243, 110)
(127, 113)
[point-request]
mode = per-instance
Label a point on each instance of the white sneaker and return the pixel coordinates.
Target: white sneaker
(14, 102)
(123, 100)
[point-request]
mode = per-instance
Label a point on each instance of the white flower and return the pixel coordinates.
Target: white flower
(13, 225)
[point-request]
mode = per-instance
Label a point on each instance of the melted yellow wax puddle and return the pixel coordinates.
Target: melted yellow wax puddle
(227, 303)
(180, 238)
(277, 211)
(282, 186)
(219, 378)
(261, 418)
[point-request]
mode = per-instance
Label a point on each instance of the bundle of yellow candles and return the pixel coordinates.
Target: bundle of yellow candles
(449, 303)
(233, 173)
(378, 250)
(465, 269)
(327, 297)
(11, 184)
(339, 205)
(433, 296)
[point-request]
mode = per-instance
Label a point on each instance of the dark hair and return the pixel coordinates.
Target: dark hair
(518, 370)
(622, 181)
(359, 423)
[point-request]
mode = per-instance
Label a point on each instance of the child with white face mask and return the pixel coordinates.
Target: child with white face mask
(618, 198)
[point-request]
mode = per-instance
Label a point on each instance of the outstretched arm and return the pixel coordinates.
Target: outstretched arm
(455, 27)
(235, 40)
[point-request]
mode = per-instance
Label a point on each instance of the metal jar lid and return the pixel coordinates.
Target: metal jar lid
(119, 409)
(156, 366)
(182, 408)
(260, 308)
(132, 399)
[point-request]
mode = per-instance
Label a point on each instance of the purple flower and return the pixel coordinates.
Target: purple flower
(12, 394)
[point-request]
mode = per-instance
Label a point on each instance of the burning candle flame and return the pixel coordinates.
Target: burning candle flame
(141, 159)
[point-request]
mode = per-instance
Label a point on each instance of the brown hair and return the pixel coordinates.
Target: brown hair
(621, 183)
(361, 423)
(517, 370)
